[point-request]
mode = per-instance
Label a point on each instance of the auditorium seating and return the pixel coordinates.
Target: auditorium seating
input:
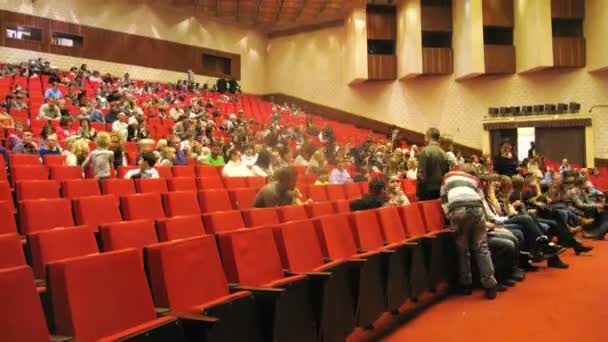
(260, 217)
(352, 191)
(142, 206)
(183, 171)
(180, 203)
(206, 171)
(214, 200)
(29, 172)
(235, 182)
(23, 159)
(223, 221)
(181, 184)
(37, 189)
(60, 172)
(317, 193)
(117, 187)
(11, 251)
(106, 297)
(73, 188)
(335, 192)
(6, 195)
(243, 198)
(151, 185)
(44, 214)
(7, 217)
(179, 227)
(209, 183)
(128, 234)
(96, 210)
(292, 213)
(317, 209)
(53, 159)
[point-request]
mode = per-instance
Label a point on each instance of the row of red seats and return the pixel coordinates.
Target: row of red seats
(254, 258)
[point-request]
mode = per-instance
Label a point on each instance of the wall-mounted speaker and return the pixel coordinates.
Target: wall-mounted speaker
(550, 108)
(562, 108)
(539, 109)
(493, 111)
(526, 110)
(516, 110)
(574, 107)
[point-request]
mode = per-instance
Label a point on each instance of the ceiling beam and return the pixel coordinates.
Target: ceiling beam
(299, 12)
(278, 14)
(257, 11)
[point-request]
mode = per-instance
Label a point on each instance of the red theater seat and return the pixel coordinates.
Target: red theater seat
(117, 187)
(7, 217)
(59, 172)
(128, 234)
(60, 243)
(37, 189)
(352, 191)
(179, 227)
(54, 159)
(318, 193)
(223, 221)
(204, 171)
(317, 209)
(6, 195)
(11, 251)
(74, 188)
(174, 266)
(29, 172)
(165, 172)
(142, 206)
(181, 184)
(105, 297)
(209, 183)
(44, 214)
(179, 203)
(183, 171)
(96, 210)
(214, 200)
(122, 170)
(242, 198)
(292, 213)
(151, 185)
(250, 258)
(235, 182)
(341, 206)
(364, 187)
(23, 159)
(22, 317)
(335, 192)
(256, 182)
(260, 217)
(432, 214)
(413, 223)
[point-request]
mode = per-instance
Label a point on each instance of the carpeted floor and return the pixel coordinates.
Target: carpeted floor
(550, 305)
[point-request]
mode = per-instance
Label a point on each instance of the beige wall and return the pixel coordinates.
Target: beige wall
(354, 54)
(467, 38)
(532, 35)
(135, 17)
(409, 39)
(596, 32)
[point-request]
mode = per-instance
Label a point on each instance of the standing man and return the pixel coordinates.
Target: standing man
(532, 153)
(432, 166)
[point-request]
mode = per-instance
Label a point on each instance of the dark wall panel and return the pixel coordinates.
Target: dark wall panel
(563, 142)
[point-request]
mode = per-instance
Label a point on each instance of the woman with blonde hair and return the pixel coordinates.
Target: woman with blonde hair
(412, 168)
(394, 193)
(116, 146)
(101, 160)
(167, 155)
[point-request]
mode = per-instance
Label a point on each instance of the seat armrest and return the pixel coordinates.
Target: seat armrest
(162, 312)
(59, 338)
(316, 275)
(254, 289)
(184, 316)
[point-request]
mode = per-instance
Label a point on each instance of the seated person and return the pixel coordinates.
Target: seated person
(395, 195)
(280, 192)
(49, 111)
(322, 178)
(339, 175)
(6, 121)
(214, 158)
(146, 167)
(234, 168)
(51, 146)
(375, 197)
(27, 145)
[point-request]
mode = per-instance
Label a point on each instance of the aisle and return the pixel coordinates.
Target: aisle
(550, 305)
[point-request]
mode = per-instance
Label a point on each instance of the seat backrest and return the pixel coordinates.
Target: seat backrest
(203, 171)
(174, 266)
(366, 230)
(292, 213)
(165, 172)
(23, 159)
(22, 317)
(214, 200)
(117, 187)
(364, 187)
(7, 217)
(181, 184)
(37, 189)
(111, 286)
(298, 246)
(411, 217)
(44, 214)
(409, 185)
(242, 198)
(336, 238)
(179, 203)
(60, 172)
(96, 210)
(256, 182)
(6, 195)
(11, 251)
(260, 217)
(352, 190)
(250, 256)
(391, 224)
(335, 192)
(29, 172)
(432, 213)
(317, 209)
(128, 234)
(223, 221)
(179, 227)
(151, 185)
(235, 182)
(122, 170)
(183, 171)
(318, 193)
(142, 206)
(73, 188)
(341, 206)
(209, 183)
(60, 243)
(54, 159)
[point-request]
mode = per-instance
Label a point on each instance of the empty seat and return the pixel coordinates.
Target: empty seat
(37, 189)
(214, 200)
(11, 251)
(29, 172)
(292, 213)
(105, 296)
(22, 317)
(364, 187)
(242, 198)
(23, 159)
(341, 206)
(142, 206)
(208, 183)
(96, 210)
(117, 187)
(317, 209)
(260, 217)
(335, 192)
(7, 217)
(60, 172)
(179, 227)
(412, 219)
(256, 182)
(235, 182)
(174, 266)
(164, 172)
(44, 214)
(251, 258)
(60, 243)
(183, 171)
(352, 190)
(128, 234)
(181, 184)
(179, 203)
(54, 159)
(318, 193)
(203, 171)
(223, 221)
(73, 188)
(6, 195)
(432, 213)
(151, 185)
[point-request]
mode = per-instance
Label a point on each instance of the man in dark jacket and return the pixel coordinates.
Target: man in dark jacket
(375, 197)
(432, 166)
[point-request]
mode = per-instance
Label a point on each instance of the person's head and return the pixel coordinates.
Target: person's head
(394, 183)
(51, 141)
(28, 136)
(55, 85)
(161, 144)
(19, 127)
(506, 185)
(532, 144)
(412, 164)
(323, 176)
(341, 164)
(122, 117)
(65, 122)
(103, 141)
(146, 145)
(286, 178)
(565, 162)
(235, 155)
(263, 159)
(168, 153)
(215, 150)
(432, 134)
(518, 182)
(557, 178)
(377, 187)
(85, 124)
(52, 104)
(249, 151)
(147, 161)
(469, 169)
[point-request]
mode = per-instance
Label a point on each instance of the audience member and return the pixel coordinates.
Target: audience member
(432, 165)
(51, 146)
(340, 175)
(146, 168)
(26, 145)
(101, 159)
(374, 198)
(234, 168)
(279, 192)
(395, 195)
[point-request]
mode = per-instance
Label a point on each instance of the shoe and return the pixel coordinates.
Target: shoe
(556, 262)
(576, 230)
(508, 282)
(580, 248)
(491, 292)
(528, 267)
(518, 275)
(552, 249)
(586, 221)
(466, 290)
(501, 287)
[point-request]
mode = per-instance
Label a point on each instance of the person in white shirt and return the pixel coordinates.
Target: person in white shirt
(339, 175)
(248, 159)
(121, 126)
(146, 167)
(412, 168)
(234, 168)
